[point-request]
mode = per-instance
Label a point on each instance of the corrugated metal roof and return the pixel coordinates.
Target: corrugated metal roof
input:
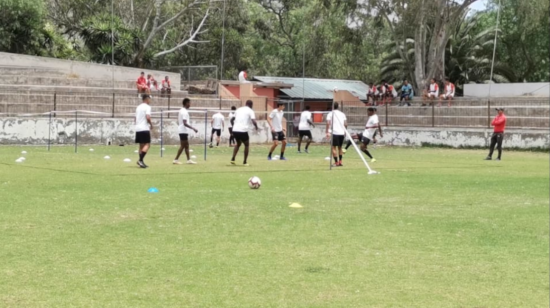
(318, 88)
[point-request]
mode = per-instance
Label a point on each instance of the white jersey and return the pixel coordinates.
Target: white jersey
(242, 77)
(371, 126)
(218, 121)
(339, 123)
(243, 117)
(434, 88)
(231, 116)
(304, 118)
(276, 117)
(142, 111)
(183, 115)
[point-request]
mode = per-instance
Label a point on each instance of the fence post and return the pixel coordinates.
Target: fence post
(387, 115)
(113, 109)
(489, 113)
(54, 103)
(433, 115)
(169, 107)
(161, 132)
(50, 131)
(75, 131)
(205, 130)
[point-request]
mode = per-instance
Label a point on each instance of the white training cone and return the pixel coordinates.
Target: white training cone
(107, 157)
(163, 149)
(327, 158)
(24, 152)
(18, 161)
(193, 156)
(127, 160)
(190, 151)
(91, 150)
(136, 151)
(21, 158)
(296, 205)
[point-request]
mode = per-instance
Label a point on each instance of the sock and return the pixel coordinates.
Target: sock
(340, 157)
(299, 147)
(282, 154)
(348, 144)
(142, 156)
(269, 154)
(368, 154)
(335, 159)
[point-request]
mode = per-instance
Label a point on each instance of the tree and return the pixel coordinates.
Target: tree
(431, 21)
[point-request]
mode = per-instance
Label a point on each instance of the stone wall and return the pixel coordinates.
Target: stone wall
(35, 131)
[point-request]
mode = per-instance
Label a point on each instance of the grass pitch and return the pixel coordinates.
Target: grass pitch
(437, 228)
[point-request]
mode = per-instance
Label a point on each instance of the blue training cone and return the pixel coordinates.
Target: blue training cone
(153, 190)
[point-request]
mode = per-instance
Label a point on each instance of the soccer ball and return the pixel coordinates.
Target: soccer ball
(254, 182)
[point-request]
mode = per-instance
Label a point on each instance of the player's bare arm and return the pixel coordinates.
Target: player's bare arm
(189, 126)
(149, 121)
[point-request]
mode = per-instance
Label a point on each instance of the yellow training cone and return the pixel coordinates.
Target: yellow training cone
(295, 205)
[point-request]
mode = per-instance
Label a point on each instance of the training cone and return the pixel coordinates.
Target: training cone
(24, 152)
(91, 150)
(127, 160)
(107, 157)
(327, 158)
(153, 190)
(296, 206)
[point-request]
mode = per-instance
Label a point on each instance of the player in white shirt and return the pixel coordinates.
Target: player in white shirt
(184, 128)
(337, 123)
(304, 128)
(449, 93)
(231, 119)
(243, 76)
(218, 124)
(373, 124)
(143, 128)
(433, 91)
(275, 121)
(241, 123)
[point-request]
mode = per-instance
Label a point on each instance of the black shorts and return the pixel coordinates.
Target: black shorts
(217, 131)
(143, 137)
(337, 140)
(241, 136)
(365, 140)
(184, 137)
(305, 133)
(278, 136)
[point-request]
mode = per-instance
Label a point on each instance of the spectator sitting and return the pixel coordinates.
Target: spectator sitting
(433, 91)
(390, 93)
(141, 83)
(449, 92)
(166, 90)
(406, 93)
(382, 92)
(372, 94)
(152, 83)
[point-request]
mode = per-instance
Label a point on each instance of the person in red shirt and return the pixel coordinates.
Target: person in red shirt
(499, 123)
(141, 83)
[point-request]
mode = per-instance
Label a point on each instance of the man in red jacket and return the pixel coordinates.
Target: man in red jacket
(499, 123)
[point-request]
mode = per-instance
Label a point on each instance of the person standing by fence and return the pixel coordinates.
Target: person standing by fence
(499, 124)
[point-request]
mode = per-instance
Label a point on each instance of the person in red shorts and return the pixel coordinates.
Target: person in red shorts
(499, 123)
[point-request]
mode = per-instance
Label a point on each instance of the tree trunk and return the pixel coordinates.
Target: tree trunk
(419, 49)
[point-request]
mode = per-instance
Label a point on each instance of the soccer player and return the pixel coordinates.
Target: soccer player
(337, 124)
(304, 128)
(243, 116)
(373, 124)
(231, 119)
(184, 128)
(499, 123)
(449, 92)
(143, 128)
(275, 121)
(218, 124)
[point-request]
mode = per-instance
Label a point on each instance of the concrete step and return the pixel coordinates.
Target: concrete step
(50, 90)
(60, 81)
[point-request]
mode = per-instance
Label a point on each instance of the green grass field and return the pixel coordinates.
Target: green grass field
(437, 228)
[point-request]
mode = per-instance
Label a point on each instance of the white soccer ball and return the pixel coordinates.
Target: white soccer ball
(254, 182)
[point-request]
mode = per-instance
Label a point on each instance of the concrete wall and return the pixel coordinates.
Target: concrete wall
(83, 70)
(537, 89)
(94, 131)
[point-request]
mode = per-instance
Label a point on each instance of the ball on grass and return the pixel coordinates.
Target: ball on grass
(254, 182)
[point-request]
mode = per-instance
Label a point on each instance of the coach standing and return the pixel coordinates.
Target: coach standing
(499, 123)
